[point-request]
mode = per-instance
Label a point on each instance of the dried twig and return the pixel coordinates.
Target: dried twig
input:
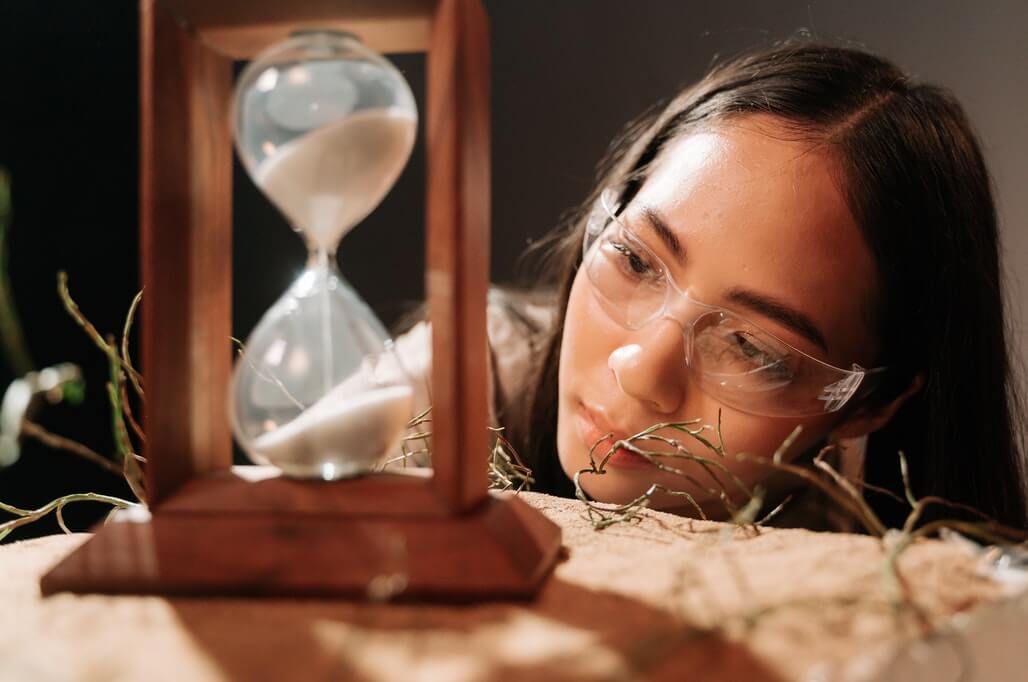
(130, 371)
(133, 375)
(57, 442)
(417, 422)
(130, 465)
(27, 516)
(506, 470)
(87, 326)
(271, 379)
(603, 516)
(130, 417)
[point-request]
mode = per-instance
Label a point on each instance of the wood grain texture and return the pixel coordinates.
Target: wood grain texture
(243, 13)
(186, 252)
(388, 495)
(469, 557)
(457, 247)
(241, 29)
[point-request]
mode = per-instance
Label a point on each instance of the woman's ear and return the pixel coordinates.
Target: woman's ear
(865, 420)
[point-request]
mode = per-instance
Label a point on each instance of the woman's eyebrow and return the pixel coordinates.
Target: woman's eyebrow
(764, 305)
(666, 234)
(776, 310)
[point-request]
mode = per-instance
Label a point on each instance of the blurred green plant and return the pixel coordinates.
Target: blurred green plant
(30, 390)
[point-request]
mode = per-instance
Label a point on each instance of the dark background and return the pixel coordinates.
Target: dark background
(568, 74)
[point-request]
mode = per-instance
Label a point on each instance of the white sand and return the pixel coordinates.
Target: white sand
(339, 435)
(327, 181)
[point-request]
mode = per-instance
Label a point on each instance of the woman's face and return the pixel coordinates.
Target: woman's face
(752, 212)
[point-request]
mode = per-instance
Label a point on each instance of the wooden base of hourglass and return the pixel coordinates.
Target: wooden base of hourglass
(212, 531)
(225, 535)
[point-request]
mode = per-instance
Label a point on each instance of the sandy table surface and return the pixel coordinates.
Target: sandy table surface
(664, 598)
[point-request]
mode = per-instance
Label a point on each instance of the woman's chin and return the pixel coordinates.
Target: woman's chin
(605, 489)
(614, 486)
(601, 488)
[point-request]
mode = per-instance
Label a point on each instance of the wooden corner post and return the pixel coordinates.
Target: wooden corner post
(185, 223)
(457, 245)
(216, 530)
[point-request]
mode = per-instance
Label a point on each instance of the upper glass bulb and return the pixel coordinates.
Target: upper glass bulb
(324, 126)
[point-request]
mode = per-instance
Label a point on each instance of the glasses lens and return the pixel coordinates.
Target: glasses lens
(749, 369)
(744, 366)
(626, 279)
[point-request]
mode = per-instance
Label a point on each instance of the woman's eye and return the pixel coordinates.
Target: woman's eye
(631, 259)
(761, 359)
(748, 348)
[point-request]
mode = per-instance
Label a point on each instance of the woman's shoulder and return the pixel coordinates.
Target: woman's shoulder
(518, 322)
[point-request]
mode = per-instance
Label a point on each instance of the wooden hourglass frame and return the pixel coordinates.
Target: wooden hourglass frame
(212, 531)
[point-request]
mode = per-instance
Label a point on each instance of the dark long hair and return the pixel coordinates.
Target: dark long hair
(915, 180)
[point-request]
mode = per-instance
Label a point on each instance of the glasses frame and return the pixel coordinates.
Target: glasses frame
(854, 383)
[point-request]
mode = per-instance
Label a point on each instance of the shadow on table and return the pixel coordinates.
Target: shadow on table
(569, 632)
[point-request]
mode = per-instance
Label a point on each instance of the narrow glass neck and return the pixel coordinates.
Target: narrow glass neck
(321, 258)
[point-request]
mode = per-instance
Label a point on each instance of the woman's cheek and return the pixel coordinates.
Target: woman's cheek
(582, 364)
(762, 436)
(756, 436)
(586, 343)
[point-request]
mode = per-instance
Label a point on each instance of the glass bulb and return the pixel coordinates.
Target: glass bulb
(324, 126)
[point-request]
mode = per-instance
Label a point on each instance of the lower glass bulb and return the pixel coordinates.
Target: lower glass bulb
(318, 390)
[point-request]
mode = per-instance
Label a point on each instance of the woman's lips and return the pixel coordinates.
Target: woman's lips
(591, 432)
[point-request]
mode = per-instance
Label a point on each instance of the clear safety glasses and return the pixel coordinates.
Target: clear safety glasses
(731, 359)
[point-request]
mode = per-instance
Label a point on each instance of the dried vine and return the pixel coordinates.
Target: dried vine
(127, 463)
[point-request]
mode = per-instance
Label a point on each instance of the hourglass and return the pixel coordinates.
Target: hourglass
(318, 392)
(324, 126)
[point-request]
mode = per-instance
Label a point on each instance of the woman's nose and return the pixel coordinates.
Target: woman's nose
(651, 368)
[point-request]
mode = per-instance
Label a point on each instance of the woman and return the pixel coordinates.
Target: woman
(803, 238)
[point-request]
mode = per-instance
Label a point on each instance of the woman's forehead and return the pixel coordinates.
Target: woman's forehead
(761, 163)
(755, 207)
